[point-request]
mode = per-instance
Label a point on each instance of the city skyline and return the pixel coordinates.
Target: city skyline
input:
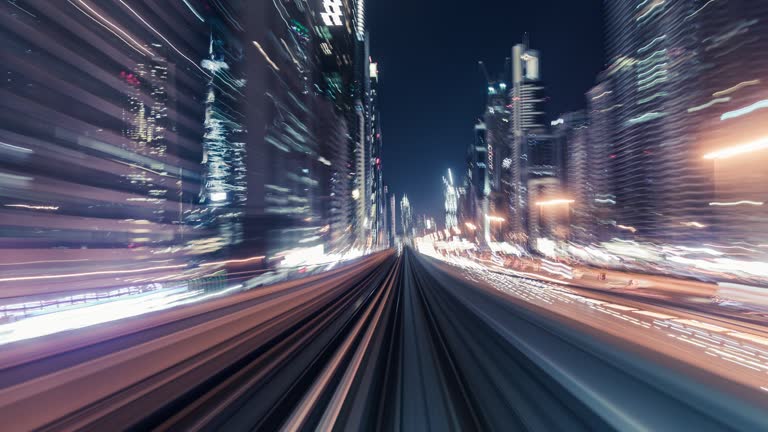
(434, 90)
(380, 215)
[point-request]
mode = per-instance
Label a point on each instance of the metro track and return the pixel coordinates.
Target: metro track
(388, 343)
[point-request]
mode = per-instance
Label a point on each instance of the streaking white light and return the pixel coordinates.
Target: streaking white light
(601, 95)
(627, 228)
(694, 224)
(760, 144)
(605, 201)
(33, 207)
(746, 110)
(94, 273)
(555, 202)
(736, 203)
(709, 104)
(197, 14)
(266, 57)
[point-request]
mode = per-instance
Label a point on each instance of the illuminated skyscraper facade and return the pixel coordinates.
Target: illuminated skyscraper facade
(730, 111)
(674, 94)
(377, 194)
(313, 178)
(145, 119)
(498, 140)
(478, 181)
(578, 175)
(600, 136)
(535, 158)
(451, 201)
(656, 166)
(224, 192)
(392, 219)
(406, 217)
(104, 130)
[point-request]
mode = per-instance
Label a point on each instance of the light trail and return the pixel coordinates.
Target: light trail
(189, 6)
(136, 46)
(627, 228)
(44, 262)
(729, 152)
(269, 60)
(736, 87)
(234, 261)
(165, 39)
(33, 207)
(555, 202)
(746, 110)
(736, 203)
(709, 104)
(96, 273)
(694, 224)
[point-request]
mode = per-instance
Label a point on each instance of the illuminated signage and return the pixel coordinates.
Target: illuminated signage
(333, 14)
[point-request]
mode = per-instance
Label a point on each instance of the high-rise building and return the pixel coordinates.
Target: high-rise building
(392, 219)
(224, 189)
(342, 82)
(283, 210)
(571, 133)
(678, 95)
(309, 149)
(601, 108)
(406, 218)
(385, 227)
(656, 161)
(535, 158)
(146, 121)
(335, 193)
(378, 197)
(497, 123)
(478, 182)
(105, 138)
(729, 111)
(451, 202)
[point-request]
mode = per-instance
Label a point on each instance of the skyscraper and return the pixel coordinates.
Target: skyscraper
(451, 201)
(224, 190)
(601, 108)
(729, 111)
(406, 218)
(145, 125)
(309, 128)
(659, 180)
(478, 181)
(110, 132)
(378, 197)
(571, 132)
(535, 160)
(393, 219)
(498, 135)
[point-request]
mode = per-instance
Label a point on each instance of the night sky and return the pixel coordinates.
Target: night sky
(432, 90)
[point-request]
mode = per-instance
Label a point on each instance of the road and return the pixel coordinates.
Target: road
(392, 343)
